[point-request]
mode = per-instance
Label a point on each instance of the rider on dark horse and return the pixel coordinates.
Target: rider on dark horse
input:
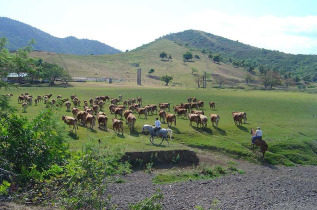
(258, 135)
(157, 125)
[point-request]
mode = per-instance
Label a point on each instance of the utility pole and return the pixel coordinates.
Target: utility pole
(139, 77)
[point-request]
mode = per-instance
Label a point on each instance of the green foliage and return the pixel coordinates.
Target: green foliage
(188, 55)
(197, 56)
(151, 71)
(166, 79)
(4, 188)
(194, 70)
(163, 55)
(52, 71)
(216, 58)
(151, 203)
(271, 79)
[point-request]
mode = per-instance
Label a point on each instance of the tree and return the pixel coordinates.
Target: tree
(288, 82)
(194, 70)
(271, 79)
(52, 71)
(163, 55)
(188, 55)
(5, 61)
(197, 57)
(166, 79)
(210, 56)
(216, 58)
(151, 71)
(248, 78)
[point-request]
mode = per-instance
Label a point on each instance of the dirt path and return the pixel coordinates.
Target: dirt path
(261, 187)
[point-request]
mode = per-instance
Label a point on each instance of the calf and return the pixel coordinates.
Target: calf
(212, 105)
(193, 118)
(162, 114)
(214, 119)
(203, 121)
(102, 120)
(90, 119)
(170, 118)
(131, 121)
(117, 125)
(142, 111)
(70, 121)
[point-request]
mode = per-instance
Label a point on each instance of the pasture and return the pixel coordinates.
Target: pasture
(288, 120)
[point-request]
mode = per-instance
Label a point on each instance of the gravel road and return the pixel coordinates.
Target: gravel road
(261, 187)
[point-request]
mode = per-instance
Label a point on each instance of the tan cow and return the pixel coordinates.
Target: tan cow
(117, 125)
(193, 118)
(90, 119)
(24, 106)
(118, 111)
(181, 111)
(153, 107)
(68, 105)
(114, 101)
(242, 114)
(164, 106)
(197, 112)
(185, 106)
(75, 111)
(142, 111)
(102, 120)
(237, 118)
(126, 113)
(95, 108)
(139, 100)
(170, 118)
(212, 105)
(81, 116)
(214, 119)
(70, 121)
(200, 104)
(203, 121)
(131, 121)
(162, 115)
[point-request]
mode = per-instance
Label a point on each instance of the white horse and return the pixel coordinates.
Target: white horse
(161, 133)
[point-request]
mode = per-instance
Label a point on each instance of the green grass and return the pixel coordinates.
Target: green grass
(287, 119)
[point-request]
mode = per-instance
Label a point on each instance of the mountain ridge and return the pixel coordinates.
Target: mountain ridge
(19, 34)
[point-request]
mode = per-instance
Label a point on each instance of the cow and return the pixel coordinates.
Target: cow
(81, 115)
(212, 105)
(70, 121)
(203, 121)
(29, 100)
(237, 118)
(95, 108)
(49, 95)
(139, 99)
(176, 107)
(24, 106)
(114, 101)
(20, 99)
(194, 105)
(91, 101)
(189, 99)
(102, 120)
(193, 118)
(117, 125)
(149, 109)
(126, 113)
(142, 111)
(118, 111)
(170, 118)
(200, 104)
(214, 119)
(186, 106)
(181, 112)
(73, 97)
(162, 114)
(75, 111)
(197, 112)
(133, 100)
(194, 99)
(89, 111)
(59, 97)
(131, 121)
(112, 107)
(164, 106)
(101, 103)
(90, 119)
(120, 97)
(68, 105)
(36, 101)
(242, 114)
(153, 108)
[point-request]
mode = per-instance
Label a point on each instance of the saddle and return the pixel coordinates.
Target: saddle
(156, 130)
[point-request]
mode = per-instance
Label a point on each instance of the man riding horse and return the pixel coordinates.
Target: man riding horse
(258, 135)
(157, 125)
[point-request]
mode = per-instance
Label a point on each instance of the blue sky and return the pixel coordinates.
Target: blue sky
(288, 26)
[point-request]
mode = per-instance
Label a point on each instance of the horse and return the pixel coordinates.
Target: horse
(160, 133)
(259, 142)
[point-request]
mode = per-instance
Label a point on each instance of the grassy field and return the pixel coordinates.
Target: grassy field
(288, 120)
(123, 65)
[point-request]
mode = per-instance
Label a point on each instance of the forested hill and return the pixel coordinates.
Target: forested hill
(235, 51)
(19, 34)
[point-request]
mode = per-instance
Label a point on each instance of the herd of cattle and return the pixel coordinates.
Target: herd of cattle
(93, 110)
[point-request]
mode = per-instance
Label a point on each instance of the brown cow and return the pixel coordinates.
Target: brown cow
(39, 98)
(101, 103)
(131, 121)
(154, 108)
(24, 106)
(214, 119)
(212, 105)
(164, 106)
(193, 118)
(102, 120)
(36, 101)
(149, 109)
(194, 105)
(91, 101)
(139, 100)
(126, 113)
(200, 104)
(81, 115)
(90, 119)
(117, 125)
(142, 111)
(242, 114)
(114, 101)
(186, 106)
(182, 112)
(68, 105)
(162, 114)
(197, 112)
(237, 118)
(203, 121)
(176, 107)
(118, 111)
(70, 121)
(170, 118)
(75, 111)
(95, 108)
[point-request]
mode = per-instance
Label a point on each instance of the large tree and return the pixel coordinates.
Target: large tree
(272, 78)
(52, 72)
(167, 79)
(163, 55)
(187, 56)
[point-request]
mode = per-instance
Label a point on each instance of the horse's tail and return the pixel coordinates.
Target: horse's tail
(170, 132)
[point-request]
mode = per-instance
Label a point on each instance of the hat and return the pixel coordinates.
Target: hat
(259, 128)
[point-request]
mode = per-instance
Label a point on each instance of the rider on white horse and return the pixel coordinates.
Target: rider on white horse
(258, 135)
(157, 125)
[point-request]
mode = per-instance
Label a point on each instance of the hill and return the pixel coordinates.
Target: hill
(124, 65)
(19, 34)
(234, 50)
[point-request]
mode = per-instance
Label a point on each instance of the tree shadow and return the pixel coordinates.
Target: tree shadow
(242, 128)
(73, 135)
(206, 130)
(221, 131)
